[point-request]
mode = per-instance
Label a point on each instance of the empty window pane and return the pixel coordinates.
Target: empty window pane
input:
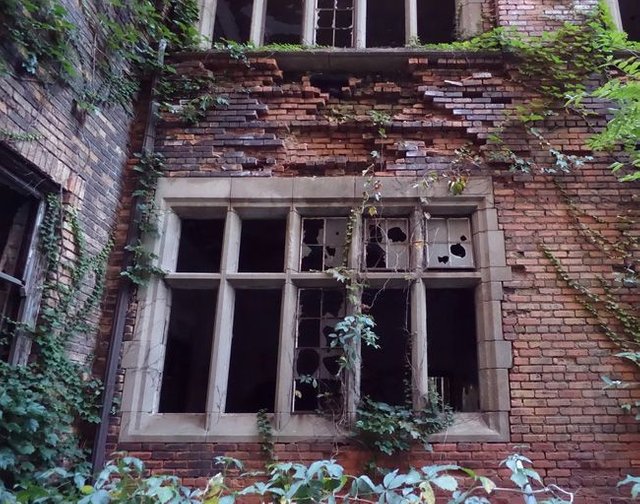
(283, 24)
(200, 246)
(16, 217)
(451, 343)
(316, 363)
(262, 245)
(630, 14)
(387, 244)
(186, 363)
(254, 351)
(449, 243)
(436, 21)
(385, 23)
(233, 20)
(386, 371)
(322, 243)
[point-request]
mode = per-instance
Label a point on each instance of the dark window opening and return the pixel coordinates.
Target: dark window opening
(254, 351)
(233, 20)
(17, 216)
(283, 23)
(630, 15)
(436, 21)
(316, 363)
(188, 354)
(385, 23)
(451, 347)
(386, 371)
(334, 23)
(330, 83)
(262, 245)
(200, 246)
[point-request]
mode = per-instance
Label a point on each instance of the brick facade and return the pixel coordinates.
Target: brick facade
(282, 121)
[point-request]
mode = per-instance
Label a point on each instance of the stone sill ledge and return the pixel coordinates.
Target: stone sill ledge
(350, 60)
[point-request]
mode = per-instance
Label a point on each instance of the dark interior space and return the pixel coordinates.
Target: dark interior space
(385, 23)
(233, 20)
(188, 355)
(262, 245)
(319, 310)
(283, 23)
(436, 21)
(200, 246)
(386, 371)
(16, 214)
(630, 14)
(254, 351)
(452, 347)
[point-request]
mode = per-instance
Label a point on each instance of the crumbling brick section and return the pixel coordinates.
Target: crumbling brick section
(286, 124)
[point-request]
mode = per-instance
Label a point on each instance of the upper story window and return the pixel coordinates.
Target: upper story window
(331, 23)
(243, 319)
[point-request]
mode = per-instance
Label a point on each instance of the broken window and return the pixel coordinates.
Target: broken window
(243, 319)
(436, 21)
(18, 210)
(452, 348)
(322, 243)
(387, 244)
(316, 364)
(233, 20)
(334, 23)
(630, 16)
(283, 22)
(449, 243)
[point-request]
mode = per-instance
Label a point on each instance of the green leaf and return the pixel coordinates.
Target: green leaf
(445, 482)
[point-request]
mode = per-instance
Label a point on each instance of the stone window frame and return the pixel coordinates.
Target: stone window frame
(468, 21)
(143, 356)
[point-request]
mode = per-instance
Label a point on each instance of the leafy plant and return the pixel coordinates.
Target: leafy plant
(390, 429)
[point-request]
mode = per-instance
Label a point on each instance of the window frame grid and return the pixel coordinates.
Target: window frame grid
(141, 356)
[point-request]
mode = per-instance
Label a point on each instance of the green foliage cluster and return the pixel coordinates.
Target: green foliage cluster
(41, 403)
(391, 429)
(321, 482)
(45, 42)
(142, 267)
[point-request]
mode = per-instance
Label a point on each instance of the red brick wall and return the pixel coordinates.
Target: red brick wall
(279, 124)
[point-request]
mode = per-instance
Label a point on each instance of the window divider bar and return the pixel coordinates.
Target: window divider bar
(419, 361)
(411, 21)
(308, 22)
(258, 18)
(360, 24)
(206, 21)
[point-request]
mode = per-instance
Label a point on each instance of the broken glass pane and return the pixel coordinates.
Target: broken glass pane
(233, 20)
(185, 373)
(449, 243)
(283, 23)
(316, 363)
(334, 23)
(387, 244)
(322, 243)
